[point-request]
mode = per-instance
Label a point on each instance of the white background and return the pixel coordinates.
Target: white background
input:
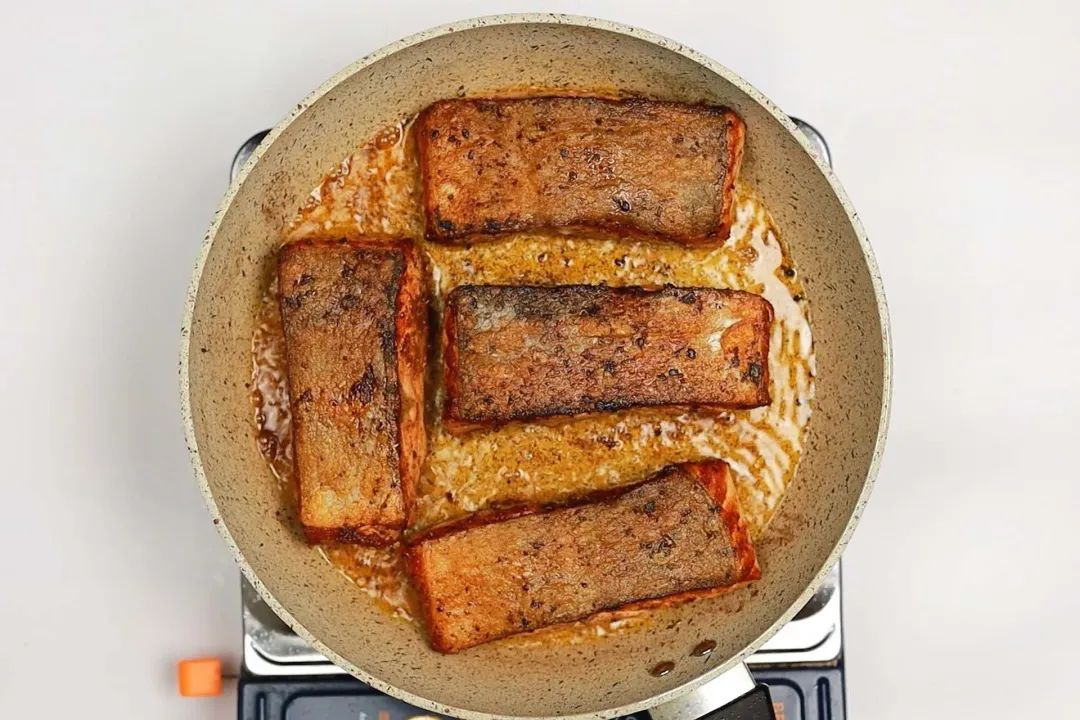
(953, 127)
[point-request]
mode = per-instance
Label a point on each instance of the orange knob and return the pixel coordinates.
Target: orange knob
(199, 677)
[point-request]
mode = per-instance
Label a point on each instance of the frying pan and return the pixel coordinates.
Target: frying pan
(603, 678)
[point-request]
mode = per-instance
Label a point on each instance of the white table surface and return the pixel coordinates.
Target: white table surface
(953, 127)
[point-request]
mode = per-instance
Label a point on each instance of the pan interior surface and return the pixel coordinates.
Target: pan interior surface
(605, 676)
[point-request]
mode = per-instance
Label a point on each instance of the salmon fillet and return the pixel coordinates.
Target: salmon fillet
(520, 352)
(675, 537)
(634, 167)
(355, 320)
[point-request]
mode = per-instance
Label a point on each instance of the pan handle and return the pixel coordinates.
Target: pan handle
(817, 140)
(732, 696)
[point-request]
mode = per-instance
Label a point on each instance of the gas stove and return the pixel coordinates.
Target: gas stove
(281, 676)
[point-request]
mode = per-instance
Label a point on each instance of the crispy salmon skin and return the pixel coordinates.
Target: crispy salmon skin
(675, 537)
(354, 315)
(635, 167)
(521, 352)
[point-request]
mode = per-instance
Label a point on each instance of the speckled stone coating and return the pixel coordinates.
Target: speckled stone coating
(604, 678)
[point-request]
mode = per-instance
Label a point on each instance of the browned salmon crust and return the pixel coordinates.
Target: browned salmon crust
(634, 167)
(675, 537)
(521, 352)
(355, 319)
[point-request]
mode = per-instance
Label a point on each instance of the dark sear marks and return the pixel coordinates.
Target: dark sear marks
(675, 537)
(518, 352)
(497, 166)
(354, 318)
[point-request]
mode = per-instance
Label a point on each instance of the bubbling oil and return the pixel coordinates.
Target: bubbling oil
(376, 191)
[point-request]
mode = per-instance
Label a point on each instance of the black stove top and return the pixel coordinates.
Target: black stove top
(797, 694)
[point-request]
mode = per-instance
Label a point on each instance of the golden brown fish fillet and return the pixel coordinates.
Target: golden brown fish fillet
(635, 167)
(675, 537)
(355, 320)
(520, 352)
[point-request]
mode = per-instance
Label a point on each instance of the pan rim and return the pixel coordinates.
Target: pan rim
(526, 19)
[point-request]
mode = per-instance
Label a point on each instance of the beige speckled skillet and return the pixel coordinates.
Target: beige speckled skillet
(597, 679)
